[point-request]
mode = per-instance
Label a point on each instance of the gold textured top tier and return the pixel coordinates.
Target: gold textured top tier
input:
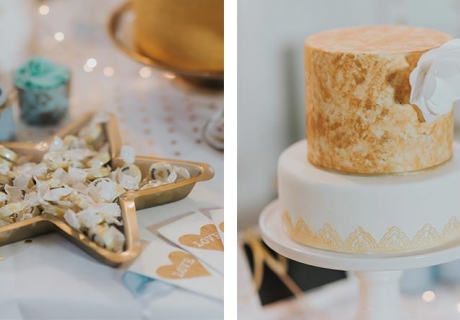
(186, 34)
(359, 118)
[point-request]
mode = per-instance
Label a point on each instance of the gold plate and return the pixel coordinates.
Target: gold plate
(129, 202)
(120, 30)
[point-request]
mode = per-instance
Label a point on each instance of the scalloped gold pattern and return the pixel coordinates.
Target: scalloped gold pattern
(361, 241)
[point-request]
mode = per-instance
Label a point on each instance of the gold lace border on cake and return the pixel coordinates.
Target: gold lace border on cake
(361, 241)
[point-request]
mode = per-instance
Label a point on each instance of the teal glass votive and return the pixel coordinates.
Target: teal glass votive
(43, 91)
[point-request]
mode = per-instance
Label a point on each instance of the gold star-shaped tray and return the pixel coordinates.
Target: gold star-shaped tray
(129, 201)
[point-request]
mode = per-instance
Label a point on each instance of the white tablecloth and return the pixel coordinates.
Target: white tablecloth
(51, 278)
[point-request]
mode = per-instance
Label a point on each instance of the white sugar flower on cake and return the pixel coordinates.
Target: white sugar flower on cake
(435, 81)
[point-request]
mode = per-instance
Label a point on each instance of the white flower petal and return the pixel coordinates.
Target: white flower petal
(454, 84)
(57, 194)
(430, 118)
(4, 168)
(57, 144)
(14, 193)
(110, 212)
(112, 209)
(128, 154)
(39, 169)
(78, 154)
(32, 199)
(445, 68)
(89, 218)
(429, 86)
(442, 100)
(77, 175)
(22, 181)
(128, 182)
(102, 190)
(71, 218)
(182, 173)
(416, 80)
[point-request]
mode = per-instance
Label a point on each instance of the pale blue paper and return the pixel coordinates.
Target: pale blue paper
(144, 287)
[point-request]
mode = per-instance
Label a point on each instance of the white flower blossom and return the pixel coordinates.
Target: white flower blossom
(435, 81)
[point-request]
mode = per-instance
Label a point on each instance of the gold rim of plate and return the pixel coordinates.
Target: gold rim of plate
(114, 26)
(129, 202)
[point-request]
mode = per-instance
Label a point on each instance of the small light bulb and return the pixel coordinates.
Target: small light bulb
(44, 10)
(87, 68)
(59, 36)
(108, 71)
(169, 75)
(91, 62)
(145, 72)
(428, 296)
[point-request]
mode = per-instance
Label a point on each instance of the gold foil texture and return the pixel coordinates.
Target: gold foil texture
(359, 119)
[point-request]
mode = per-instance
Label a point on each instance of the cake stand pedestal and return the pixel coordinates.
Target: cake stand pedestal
(378, 274)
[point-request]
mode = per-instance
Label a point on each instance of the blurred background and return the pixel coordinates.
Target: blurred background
(107, 69)
(271, 116)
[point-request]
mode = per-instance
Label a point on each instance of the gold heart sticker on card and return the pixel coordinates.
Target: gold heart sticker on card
(183, 266)
(221, 226)
(208, 239)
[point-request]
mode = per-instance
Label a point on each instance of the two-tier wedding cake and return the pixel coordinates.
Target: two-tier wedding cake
(379, 172)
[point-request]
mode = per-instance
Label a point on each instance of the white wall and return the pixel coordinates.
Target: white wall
(271, 112)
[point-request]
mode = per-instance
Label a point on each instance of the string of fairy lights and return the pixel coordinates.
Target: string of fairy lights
(91, 63)
(429, 296)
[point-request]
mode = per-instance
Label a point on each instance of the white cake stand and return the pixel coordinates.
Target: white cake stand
(378, 274)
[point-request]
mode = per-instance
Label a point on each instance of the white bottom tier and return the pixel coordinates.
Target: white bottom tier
(357, 214)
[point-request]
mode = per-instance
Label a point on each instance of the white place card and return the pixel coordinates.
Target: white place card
(170, 264)
(198, 235)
